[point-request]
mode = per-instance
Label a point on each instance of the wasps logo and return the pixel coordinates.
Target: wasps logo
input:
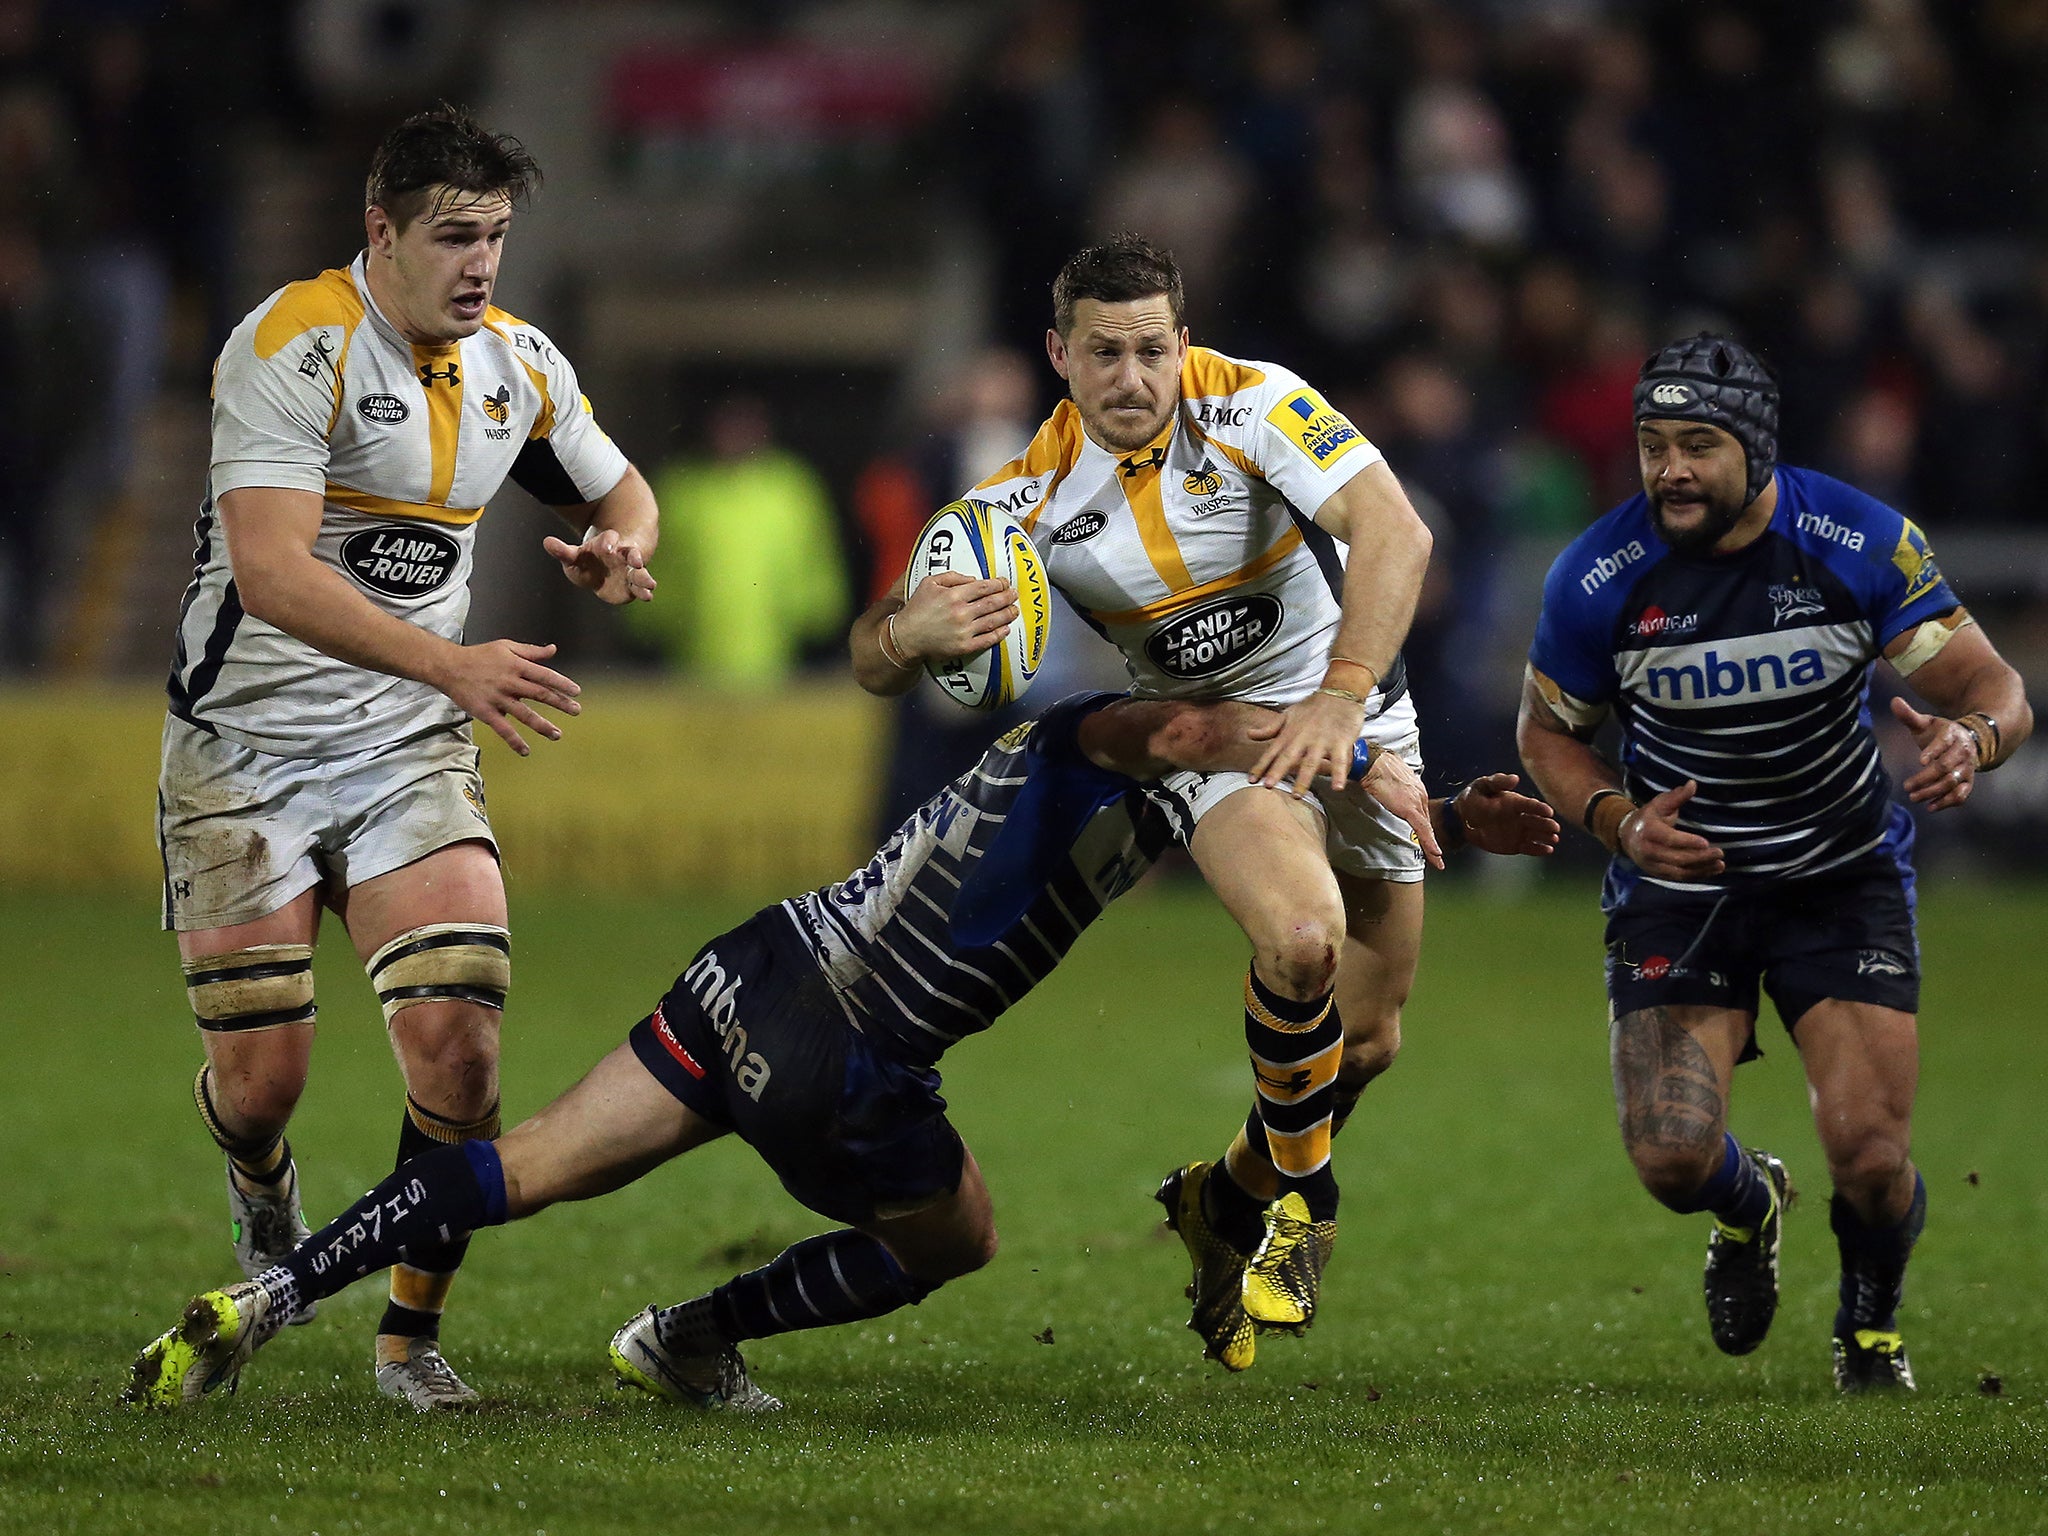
(499, 406)
(1204, 481)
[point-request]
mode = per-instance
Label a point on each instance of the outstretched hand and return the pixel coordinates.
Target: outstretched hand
(605, 563)
(1948, 759)
(1498, 820)
(499, 681)
(1650, 835)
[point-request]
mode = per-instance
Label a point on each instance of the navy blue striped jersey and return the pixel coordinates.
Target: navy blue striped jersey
(1748, 673)
(884, 936)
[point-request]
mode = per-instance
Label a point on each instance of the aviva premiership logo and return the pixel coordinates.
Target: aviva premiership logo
(1315, 426)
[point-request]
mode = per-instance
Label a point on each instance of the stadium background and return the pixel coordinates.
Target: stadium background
(832, 225)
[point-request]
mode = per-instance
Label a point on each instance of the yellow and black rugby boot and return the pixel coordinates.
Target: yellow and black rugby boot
(1873, 1360)
(206, 1350)
(1284, 1278)
(1216, 1288)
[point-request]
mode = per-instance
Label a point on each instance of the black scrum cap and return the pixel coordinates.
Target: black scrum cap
(1719, 381)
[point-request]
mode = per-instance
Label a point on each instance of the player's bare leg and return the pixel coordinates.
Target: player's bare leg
(1672, 1070)
(244, 979)
(433, 937)
(1862, 1069)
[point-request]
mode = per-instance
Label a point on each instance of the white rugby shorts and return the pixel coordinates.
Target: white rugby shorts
(242, 832)
(1362, 836)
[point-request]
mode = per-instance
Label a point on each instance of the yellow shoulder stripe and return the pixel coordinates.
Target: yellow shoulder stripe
(495, 321)
(1280, 549)
(329, 299)
(1054, 450)
(1237, 456)
(1204, 373)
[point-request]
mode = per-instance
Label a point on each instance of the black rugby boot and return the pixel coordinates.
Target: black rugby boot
(1742, 1267)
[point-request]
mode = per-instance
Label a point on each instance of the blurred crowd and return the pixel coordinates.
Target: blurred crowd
(1466, 220)
(116, 227)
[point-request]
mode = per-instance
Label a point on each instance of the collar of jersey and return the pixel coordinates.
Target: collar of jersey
(359, 274)
(1163, 440)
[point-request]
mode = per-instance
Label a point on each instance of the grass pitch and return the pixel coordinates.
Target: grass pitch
(1511, 1337)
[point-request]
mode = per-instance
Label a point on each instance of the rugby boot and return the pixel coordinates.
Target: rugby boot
(1217, 1286)
(679, 1356)
(1741, 1279)
(421, 1378)
(1285, 1276)
(206, 1350)
(268, 1224)
(1872, 1360)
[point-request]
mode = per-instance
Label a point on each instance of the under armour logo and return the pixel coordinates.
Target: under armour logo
(183, 888)
(429, 373)
(1151, 460)
(1291, 1086)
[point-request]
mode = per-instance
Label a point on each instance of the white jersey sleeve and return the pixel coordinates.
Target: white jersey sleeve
(1303, 446)
(275, 391)
(568, 459)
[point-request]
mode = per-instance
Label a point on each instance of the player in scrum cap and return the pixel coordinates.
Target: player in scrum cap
(1237, 538)
(317, 751)
(1730, 617)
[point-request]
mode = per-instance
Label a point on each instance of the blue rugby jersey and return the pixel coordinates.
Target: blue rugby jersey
(883, 936)
(1747, 673)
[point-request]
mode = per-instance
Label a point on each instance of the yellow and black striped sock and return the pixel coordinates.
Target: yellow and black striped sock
(1296, 1048)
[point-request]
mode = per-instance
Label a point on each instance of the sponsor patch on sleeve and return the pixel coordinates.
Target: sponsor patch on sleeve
(1915, 562)
(1315, 426)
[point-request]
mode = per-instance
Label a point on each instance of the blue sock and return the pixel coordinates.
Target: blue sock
(841, 1277)
(1874, 1263)
(439, 1193)
(1737, 1192)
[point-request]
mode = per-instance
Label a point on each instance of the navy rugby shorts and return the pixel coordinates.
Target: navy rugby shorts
(1847, 934)
(752, 1037)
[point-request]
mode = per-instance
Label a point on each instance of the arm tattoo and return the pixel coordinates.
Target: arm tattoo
(1665, 1087)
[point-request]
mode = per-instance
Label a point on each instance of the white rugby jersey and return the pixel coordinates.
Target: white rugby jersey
(317, 391)
(1197, 555)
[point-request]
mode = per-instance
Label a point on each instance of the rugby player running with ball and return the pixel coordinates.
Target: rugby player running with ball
(1237, 538)
(1730, 617)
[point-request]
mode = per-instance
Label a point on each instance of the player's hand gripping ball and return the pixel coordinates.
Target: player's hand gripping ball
(982, 541)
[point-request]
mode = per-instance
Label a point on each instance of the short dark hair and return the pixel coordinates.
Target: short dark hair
(445, 147)
(1122, 268)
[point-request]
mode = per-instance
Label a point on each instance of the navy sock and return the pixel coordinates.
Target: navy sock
(445, 1191)
(1737, 1192)
(840, 1277)
(1874, 1263)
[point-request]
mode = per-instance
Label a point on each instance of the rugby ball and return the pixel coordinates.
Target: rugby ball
(979, 540)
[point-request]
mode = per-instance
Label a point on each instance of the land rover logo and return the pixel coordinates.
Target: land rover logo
(1081, 527)
(400, 562)
(385, 410)
(1216, 635)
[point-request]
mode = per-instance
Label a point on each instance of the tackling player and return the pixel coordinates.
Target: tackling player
(813, 1030)
(1730, 616)
(317, 749)
(1237, 538)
